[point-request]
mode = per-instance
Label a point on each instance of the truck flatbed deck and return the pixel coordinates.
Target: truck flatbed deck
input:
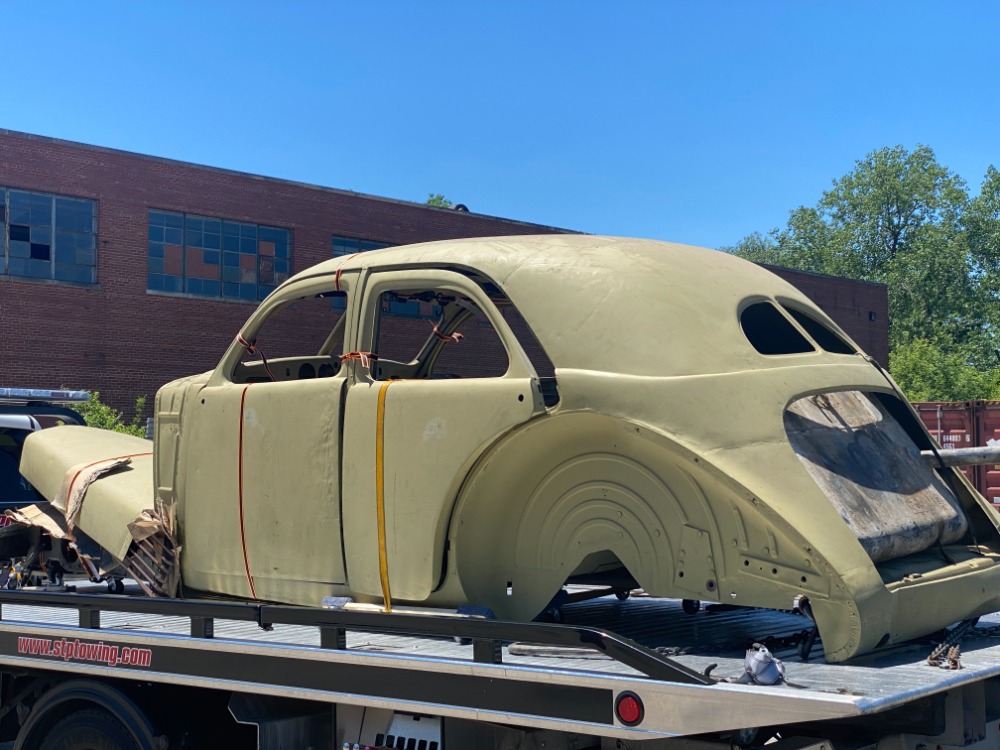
(335, 659)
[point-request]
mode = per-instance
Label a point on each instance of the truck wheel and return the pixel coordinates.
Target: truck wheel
(90, 729)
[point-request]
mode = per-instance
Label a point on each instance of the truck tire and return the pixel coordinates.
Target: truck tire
(89, 729)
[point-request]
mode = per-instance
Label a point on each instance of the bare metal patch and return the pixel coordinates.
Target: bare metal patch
(872, 473)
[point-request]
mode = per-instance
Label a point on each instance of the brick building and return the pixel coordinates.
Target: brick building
(119, 271)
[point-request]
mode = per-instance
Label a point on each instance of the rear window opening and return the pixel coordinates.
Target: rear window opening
(869, 468)
(770, 332)
(828, 339)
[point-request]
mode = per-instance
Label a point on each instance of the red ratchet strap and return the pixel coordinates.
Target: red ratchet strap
(365, 358)
(251, 349)
(455, 338)
(340, 270)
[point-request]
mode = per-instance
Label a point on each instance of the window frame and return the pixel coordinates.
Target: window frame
(226, 235)
(792, 308)
(359, 241)
(778, 309)
(54, 233)
(225, 371)
(446, 280)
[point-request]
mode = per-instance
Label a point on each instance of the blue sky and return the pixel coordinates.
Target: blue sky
(695, 122)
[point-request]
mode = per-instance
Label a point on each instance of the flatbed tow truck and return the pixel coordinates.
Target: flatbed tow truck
(86, 670)
(744, 452)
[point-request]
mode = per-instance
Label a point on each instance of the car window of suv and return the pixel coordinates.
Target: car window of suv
(13, 487)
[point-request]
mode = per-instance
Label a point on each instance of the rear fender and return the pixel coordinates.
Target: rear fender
(564, 488)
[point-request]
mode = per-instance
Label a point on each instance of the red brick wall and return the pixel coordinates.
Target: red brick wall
(123, 341)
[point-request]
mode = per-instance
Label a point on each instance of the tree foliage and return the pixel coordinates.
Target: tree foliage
(438, 200)
(902, 219)
(929, 371)
(98, 414)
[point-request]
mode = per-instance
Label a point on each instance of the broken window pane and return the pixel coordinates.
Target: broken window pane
(37, 221)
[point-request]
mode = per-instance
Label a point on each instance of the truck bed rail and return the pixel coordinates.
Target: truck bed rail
(486, 635)
(414, 664)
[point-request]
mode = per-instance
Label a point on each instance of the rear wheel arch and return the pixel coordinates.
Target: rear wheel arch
(570, 486)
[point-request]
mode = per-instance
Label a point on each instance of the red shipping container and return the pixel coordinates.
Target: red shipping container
(953, 425)
(988, 418)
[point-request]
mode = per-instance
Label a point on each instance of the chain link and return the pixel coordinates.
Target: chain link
(946, 654)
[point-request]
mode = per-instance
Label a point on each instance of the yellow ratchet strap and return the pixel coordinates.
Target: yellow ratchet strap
(383, 561)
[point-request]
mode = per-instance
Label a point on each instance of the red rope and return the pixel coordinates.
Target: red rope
(340, 270)
(455, 338)
(243, 530)
(251, 349)
(365, 358)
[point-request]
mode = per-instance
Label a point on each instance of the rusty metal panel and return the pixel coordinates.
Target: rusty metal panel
(988, 419)
(953, 425)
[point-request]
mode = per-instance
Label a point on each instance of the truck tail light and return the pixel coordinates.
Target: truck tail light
(629, 708)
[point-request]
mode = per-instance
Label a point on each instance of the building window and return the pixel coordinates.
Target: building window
(352, 245)
(344, 246)
(48, 236)
(214, 257)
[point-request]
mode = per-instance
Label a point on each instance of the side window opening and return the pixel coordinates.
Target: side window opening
(828, 339)
(302, 339)
(770, 332)
(435, 334)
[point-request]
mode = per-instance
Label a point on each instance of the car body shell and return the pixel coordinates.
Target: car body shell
(666, 459)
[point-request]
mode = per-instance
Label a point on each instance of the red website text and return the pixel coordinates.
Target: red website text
(77, 650)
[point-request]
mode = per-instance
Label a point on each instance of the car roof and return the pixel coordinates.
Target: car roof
(614, 304)
(19, 422)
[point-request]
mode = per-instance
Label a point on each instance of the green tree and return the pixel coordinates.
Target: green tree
(438, 200)
(930, 372)
(902, 219)
(98, 414)
(983, 230)
(883, 207)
